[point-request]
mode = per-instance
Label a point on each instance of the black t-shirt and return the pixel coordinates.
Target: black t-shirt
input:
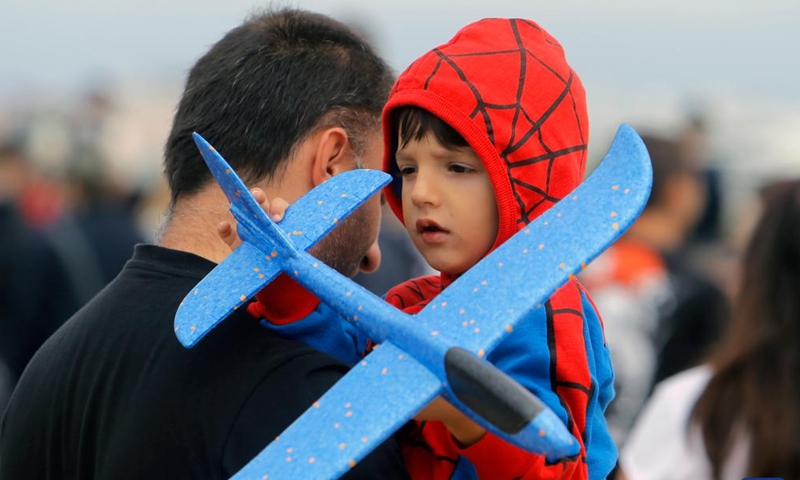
(113, 395)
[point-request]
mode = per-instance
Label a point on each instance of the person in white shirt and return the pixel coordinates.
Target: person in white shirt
(738, 415)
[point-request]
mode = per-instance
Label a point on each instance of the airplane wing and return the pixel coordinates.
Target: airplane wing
(251, 266)
(483, 305)
(359, 412)
(315, 214)
(243, 274)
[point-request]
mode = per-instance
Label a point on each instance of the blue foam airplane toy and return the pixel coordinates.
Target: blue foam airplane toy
(440, 350)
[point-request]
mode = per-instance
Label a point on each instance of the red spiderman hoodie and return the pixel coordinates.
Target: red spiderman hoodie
(505, 86)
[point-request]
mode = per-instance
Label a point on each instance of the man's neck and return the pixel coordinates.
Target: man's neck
(192, 225)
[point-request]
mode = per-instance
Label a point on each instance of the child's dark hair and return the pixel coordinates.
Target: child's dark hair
(413, 123)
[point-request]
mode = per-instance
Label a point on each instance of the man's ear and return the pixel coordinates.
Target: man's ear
(333, 154)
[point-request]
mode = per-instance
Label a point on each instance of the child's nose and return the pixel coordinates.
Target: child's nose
(424, 191)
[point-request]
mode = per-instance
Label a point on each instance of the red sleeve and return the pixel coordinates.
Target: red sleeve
(516, 463)
(425, 455)
(430, 453)
(283, 301)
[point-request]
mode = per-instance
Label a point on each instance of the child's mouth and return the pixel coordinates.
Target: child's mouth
(430, 231)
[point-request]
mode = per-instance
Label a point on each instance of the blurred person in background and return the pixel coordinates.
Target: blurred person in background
(36, 295)
(96, 234)
(693, 142)
(658, 311)
(737, 415)
(701, 305)
(67, 232)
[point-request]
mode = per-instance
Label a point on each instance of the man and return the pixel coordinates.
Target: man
(290, 98)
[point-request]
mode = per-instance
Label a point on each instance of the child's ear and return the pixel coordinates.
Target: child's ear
(332, 156)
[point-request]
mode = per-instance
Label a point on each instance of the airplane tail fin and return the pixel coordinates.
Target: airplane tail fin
(231, 184)
(251, 217)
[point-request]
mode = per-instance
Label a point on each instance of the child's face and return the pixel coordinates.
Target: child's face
(448, 204)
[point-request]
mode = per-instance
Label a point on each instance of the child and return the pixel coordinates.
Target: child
(484, 134)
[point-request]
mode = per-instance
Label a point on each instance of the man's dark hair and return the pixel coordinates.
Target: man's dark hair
(266, 86)
(413, 123)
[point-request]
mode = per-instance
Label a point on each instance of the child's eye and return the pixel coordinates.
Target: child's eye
(457, 168)
(407, 170)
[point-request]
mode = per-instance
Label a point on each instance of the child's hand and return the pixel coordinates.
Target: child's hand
(461, 427)
(275, 209)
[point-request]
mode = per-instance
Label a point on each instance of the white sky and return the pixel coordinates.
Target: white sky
(641, 61)
(745, 46)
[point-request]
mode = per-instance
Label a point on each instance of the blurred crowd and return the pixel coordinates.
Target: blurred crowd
(68, 225)
(66, 228)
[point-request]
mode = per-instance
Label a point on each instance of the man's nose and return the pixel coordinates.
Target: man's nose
(372, 259)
